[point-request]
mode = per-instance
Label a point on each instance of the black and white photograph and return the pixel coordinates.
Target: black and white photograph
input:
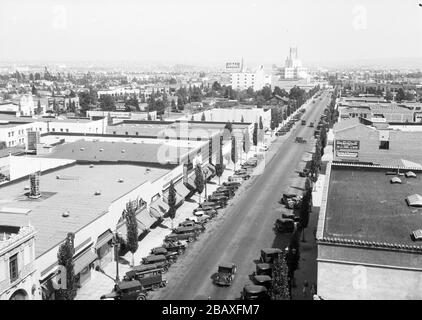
(234, 152)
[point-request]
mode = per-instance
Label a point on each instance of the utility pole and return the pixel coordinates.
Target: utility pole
(116, 254)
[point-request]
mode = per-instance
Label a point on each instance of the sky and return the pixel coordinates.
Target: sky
(209, 32)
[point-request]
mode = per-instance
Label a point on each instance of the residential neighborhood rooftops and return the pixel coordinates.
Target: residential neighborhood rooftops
(363, 205)
(70, 189)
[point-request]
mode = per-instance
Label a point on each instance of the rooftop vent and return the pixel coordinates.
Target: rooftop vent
(410, 174)
(34, 180)
(395, 180)
(120, 180)
(82, 149)
(97, 193)
(66, 214)
(101, 150)
(91, 166)
(123, 150)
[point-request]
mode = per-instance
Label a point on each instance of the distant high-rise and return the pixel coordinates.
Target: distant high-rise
(293, 68)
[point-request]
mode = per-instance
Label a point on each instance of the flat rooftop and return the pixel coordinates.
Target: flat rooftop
(73, 191)
(105, 151)
(362, 204)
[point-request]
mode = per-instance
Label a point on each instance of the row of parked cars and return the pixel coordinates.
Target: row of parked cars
(286, 127)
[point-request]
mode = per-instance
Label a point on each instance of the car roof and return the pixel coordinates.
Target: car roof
(156, 257)
(262, 278)
(271, 250)
(228, 265)
(253, 288)
(263, 266)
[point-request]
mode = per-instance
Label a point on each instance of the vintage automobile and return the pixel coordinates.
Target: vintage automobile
(311, 124)
(304, 173)
(207, 211)
(235, 179)
(254, 292)
(300, 140)
(158, 258)
(143, 268)
(268, 255)
(289, 215)
(207, 204)
(221, 194)
(191, 223)
(225, 274)
(263, 280)
(127, 290)
(202, 219)
(170, 255)
(234, 185)
(151, 280)
(221, 201)
(284, 225)
(263, 269)
(303, 122)
(291, 200)
(174, 237)
(176, 246)
(191, 229)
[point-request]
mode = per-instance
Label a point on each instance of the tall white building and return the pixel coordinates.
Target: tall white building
(293, 68)
(257, 80)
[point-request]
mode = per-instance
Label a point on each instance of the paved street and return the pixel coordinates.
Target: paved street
(246, 225)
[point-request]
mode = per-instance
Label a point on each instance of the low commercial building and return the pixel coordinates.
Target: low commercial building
(375, 143)
(364, 234)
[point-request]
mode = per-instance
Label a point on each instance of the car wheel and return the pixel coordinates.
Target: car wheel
(180, 251)
(190, 239)
(154, 287)
(141, 297)
(165, 269)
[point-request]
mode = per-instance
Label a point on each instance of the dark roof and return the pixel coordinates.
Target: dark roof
(362, 205)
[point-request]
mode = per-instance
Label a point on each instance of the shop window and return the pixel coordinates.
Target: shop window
(384, 145)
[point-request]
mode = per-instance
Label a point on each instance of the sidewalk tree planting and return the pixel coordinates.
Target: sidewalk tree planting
(219, 171)
(280, 286)
(199, 180)
(203, 117)
(255, 135)
(171, 200)
(293, 255)
(261, 130)
(234, 152)
(242, 119)
(65, 259)
(304, 212)
(246, 142)
(132, 228)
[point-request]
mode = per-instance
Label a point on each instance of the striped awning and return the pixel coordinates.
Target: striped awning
(159, 208)
(104, 238)
(145, 220)
(84, 260)
(181, 189)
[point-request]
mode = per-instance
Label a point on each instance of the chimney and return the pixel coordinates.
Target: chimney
(34, 180)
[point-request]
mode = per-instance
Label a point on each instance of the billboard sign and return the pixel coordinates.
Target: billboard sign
(347, 154)
(347, 144)
(233, 66)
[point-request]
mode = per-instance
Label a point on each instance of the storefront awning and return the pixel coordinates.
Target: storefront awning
(84, 260)
(145, 220)
(181, 189)
(104, 238)
(208, 171)
(159, 208)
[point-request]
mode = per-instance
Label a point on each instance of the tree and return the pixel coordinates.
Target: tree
(261, 130)
(65, 259)
(293, 254)
(107, 103)
(242, 119)
(199, 180)
(304, 212)
(34, 90)
(39, 108)
(203, 117)
(388, 96)
(234, 152)
(219, 171)
(246, 142)
(173, 105)
(400, 95)
(229, 126)
(280, 286)
(171, 201)
(255, 135)
(132, 228)
(149, 117)
(216, 86)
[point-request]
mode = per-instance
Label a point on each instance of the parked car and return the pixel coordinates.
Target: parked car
(235, 179)
(303, 122)
(163, 266)
(263, 269)
(150, 280)
(225, 274)
(264, 148)
(127, 290)
(263, 280)
(284, 225)
(158, 258)
(268, 255)
(300, 140)
(190, 237)
(192, 229)
(177, 246)
(191, 223)
(254, 292)
(311, 124)
(170, 255)
(204, 218)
